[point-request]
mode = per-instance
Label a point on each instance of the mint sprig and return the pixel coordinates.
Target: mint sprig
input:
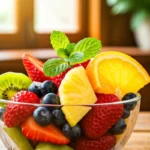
(59, 40)
(70, 53)
(55, 66)
(70, 47)
(76, 58)
(63, 53)
(89, 46)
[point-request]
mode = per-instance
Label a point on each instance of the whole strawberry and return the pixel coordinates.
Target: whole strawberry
(15, 114)
(34, 68)
(106, 142)
(101, 118)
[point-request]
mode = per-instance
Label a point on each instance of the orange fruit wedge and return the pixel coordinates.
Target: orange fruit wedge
(116, 73)
(75, 89)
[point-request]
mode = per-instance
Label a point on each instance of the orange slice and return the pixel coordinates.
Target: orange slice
(76, 89)
(116, 73)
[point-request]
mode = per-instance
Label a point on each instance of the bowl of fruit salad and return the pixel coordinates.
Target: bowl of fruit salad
(82, 100)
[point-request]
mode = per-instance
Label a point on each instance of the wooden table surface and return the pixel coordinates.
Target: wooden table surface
(140, 138)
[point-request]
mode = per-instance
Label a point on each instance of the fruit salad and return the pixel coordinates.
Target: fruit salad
(77, 101)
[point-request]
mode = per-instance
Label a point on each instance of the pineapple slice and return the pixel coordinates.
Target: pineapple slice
(75, 89)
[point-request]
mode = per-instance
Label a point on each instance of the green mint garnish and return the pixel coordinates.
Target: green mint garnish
(63, 53)
(55, 66)
(76, 57)
(70, 53)
(89, 46)
(70, 48)
(59, 40)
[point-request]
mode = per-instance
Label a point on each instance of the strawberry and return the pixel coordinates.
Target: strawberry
(15, 114)
(101, 118)
(34, 68)
(57, 79)
(50, 133)
(106, 142)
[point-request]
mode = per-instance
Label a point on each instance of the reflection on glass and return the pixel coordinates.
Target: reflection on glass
(7, 16)
(56, 15)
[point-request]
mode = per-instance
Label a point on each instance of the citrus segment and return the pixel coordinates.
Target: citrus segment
(76, 89)
(116, 73)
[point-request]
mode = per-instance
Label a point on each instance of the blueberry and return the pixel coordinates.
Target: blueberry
(125, 114)
(119, 127)
(129, 105)
(42, 116)
(48, 87)
(35, 88)
(51, 98)
(2, 110)
(72, 133)
(58, 117)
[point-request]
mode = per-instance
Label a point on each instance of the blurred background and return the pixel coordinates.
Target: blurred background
(28, 23)
(121, 25)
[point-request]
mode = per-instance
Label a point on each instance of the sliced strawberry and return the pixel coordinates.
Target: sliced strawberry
(106, 142)
(34, 68)
(17, 113)
(49, 133)
(101, 118)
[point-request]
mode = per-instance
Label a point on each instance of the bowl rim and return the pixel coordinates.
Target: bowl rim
(137, 98)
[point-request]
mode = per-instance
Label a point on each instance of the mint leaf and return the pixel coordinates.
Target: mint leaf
(55, 66)
(70, 48)
(76, 57)
(89, 46)
(59, 40)
(63, 53)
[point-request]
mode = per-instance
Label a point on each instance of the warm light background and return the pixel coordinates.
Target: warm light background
(28, 23)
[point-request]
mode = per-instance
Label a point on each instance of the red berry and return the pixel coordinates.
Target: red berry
(101, 118)
(50, 133)
(106, 142)
(34, 68)
(57, 79)
(15, 114)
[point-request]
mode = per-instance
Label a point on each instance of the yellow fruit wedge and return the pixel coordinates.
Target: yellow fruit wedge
(76, 89)
(116, 73)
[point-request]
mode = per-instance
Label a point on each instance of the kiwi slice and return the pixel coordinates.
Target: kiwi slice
(17, 139)
(11, 83)
(48, 146)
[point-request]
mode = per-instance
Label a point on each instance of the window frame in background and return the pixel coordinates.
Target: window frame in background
(96, 21)
(43, 39)
(26, 37)
(16, 39)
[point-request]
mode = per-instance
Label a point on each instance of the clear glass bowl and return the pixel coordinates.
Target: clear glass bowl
(121, 139)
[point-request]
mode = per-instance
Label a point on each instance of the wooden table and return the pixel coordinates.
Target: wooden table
(140, 138)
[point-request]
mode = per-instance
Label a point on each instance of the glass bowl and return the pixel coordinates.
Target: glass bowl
(120, 139)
